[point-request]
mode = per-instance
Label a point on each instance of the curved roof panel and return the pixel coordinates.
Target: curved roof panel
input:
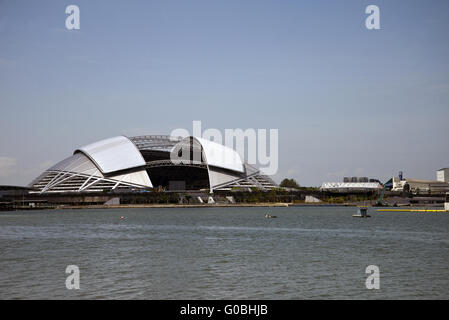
(113, 154)
(220, 156)
(77, 163)
(78, 173)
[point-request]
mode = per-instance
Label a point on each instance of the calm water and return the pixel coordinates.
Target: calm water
(223, 253)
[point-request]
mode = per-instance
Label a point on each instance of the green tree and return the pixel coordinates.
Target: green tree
(289, 183)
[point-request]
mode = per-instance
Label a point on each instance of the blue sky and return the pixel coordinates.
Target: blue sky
(347, 101)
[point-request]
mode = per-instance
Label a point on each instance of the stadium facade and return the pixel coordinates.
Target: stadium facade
(148, 162)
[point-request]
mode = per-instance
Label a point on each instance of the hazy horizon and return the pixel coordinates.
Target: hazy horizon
(347, 101)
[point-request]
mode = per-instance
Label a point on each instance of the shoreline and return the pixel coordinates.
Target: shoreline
(204, 205)
(163, 205)
(181, 206)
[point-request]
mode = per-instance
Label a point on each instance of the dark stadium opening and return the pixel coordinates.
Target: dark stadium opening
(176, 178)
(155, 155)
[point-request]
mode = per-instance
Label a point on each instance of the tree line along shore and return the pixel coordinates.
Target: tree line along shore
(246, 198)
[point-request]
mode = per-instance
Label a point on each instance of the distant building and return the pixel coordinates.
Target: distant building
(312, 199)
(14, 191)
(359, 179)
(352, 184)
(343, 187)
(443, 175)
(419, 186)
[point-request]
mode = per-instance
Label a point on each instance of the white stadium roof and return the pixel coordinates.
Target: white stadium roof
(113, 154)
(122, 163)
(79, 173)
(220, 156)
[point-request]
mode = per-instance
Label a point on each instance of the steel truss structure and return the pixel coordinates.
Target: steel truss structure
(146, 159)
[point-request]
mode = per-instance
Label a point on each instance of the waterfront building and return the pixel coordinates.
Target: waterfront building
(148, 162)
(346, 187)
(419, 186)
(443, 175)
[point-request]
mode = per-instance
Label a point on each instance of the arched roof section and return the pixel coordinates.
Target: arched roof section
(220, 156)
(113, 154)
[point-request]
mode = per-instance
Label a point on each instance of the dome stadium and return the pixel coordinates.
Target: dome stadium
(148, 162)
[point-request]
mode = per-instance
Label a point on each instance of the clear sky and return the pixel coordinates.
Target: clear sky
(347, 101)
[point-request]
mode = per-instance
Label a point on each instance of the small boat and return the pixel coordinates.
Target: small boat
(362, 212)
(269, 216)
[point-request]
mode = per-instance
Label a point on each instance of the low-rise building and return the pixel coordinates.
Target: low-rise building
(419, 186)
(343, 187)
(443, 175)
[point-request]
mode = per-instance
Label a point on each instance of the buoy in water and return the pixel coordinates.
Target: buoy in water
(362, 212)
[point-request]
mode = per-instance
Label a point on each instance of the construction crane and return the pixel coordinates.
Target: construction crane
(379, 202)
